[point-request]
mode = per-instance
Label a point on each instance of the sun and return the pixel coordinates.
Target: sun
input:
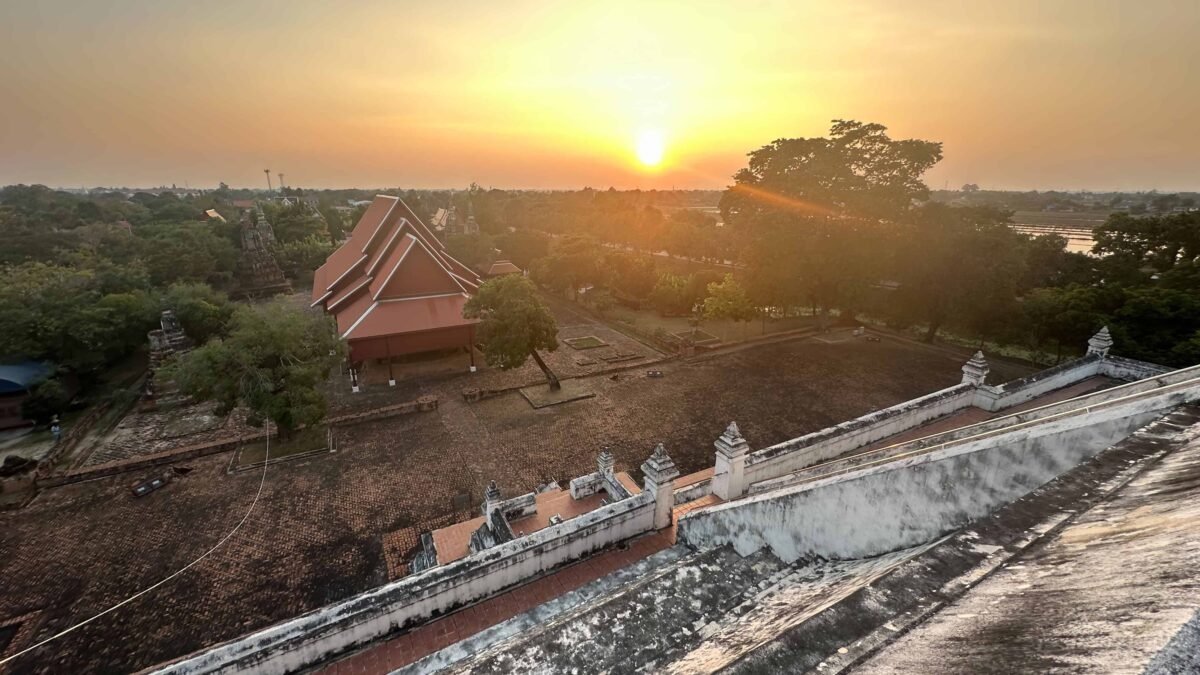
(650, 147)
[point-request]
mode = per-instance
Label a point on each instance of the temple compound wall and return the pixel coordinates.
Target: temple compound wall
(315, 636)
(914, 492)
(821, 446)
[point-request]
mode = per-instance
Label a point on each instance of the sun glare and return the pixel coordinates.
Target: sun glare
(650, 146)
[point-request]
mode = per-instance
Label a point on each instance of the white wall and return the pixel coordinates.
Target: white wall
(905, 500)
(1042, 382)
(820, 446)
(315, 636)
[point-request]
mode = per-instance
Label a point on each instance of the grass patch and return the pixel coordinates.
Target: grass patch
(585, 342)
(305, 440)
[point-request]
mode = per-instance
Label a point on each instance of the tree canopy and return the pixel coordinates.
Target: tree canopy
(274, 360)
(514, 323)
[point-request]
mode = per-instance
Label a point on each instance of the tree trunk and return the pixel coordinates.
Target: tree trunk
(282, 432)
(550, 376)
(931, 332)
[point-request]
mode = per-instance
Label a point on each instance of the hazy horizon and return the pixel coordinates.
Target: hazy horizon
(1076, 96)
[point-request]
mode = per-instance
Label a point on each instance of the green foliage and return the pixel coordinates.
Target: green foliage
(58, 314)
(671, 295)
(296, 223)
(477, 251)
(46, 399)
(299, 259)
(182, 252)
(514, 322)
(858, 170)
(630, 274)
(274, 361)
(573, 263)
(523, 247)
(961, 263)
(728, 300)
(203, 312)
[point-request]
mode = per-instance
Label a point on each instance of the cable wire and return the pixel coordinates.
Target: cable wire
(262, 481)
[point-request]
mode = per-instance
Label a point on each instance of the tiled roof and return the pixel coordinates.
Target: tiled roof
(391, 255)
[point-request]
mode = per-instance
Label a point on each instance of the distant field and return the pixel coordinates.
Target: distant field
(1080, 219)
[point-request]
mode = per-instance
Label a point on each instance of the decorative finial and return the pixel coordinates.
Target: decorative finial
(1100, 343)
(732, 432)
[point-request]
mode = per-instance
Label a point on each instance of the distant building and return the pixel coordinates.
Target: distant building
(501, 268)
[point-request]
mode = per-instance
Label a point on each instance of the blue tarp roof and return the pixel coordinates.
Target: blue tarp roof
(19, 377)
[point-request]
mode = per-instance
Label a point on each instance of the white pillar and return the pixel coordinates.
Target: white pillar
(660, 478)
(729, 475)
(975, 371)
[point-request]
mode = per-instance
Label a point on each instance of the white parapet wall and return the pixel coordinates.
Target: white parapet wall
(875, 505)
(785, 458)
(1050, 410)
(313, 637)
(819, 446)
(1042, 382)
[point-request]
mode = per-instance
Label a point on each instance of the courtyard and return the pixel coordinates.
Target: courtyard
(334, 524)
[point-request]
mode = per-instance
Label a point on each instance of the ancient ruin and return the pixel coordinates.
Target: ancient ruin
(258, 273)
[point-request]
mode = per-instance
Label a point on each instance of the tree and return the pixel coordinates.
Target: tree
(573, 262)
(297, 222)
(858, 170)
(473, 250)
(671, 296)
(203, 312)
(1064, 316)
(300, 258)
(514, 324)
(275, 362)
(728, 300)
(957, 262)
(46, 399)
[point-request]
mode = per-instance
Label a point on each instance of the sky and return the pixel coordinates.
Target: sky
(1024, 94)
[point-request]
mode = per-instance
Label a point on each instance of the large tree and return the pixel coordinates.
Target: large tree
(515, 324)
(274, 361)
(857, 171)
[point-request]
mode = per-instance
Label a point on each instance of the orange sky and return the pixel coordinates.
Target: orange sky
(1024, 94)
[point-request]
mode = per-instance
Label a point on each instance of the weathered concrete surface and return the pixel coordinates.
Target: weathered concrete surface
(703, 605)
(1110, 592)
(914, 498)
(852, 630)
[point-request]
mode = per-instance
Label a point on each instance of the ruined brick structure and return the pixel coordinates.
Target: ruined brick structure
(259, 274)
(166, 342)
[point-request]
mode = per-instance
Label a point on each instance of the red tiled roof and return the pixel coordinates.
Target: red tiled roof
(453, 542)
(410, 315)
(391, 255)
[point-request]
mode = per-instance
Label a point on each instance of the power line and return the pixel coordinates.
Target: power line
(262, 481)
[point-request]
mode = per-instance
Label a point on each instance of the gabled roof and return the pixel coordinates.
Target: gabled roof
(501, 267)
(390, 256)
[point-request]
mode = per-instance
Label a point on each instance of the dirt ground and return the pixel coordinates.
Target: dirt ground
(325, 526)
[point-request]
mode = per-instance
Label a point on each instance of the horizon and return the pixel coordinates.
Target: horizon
(1075, 97)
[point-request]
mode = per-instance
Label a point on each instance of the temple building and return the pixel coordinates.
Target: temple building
(393, 288)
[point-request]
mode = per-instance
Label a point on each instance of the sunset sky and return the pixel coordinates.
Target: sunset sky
(1024, 94)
